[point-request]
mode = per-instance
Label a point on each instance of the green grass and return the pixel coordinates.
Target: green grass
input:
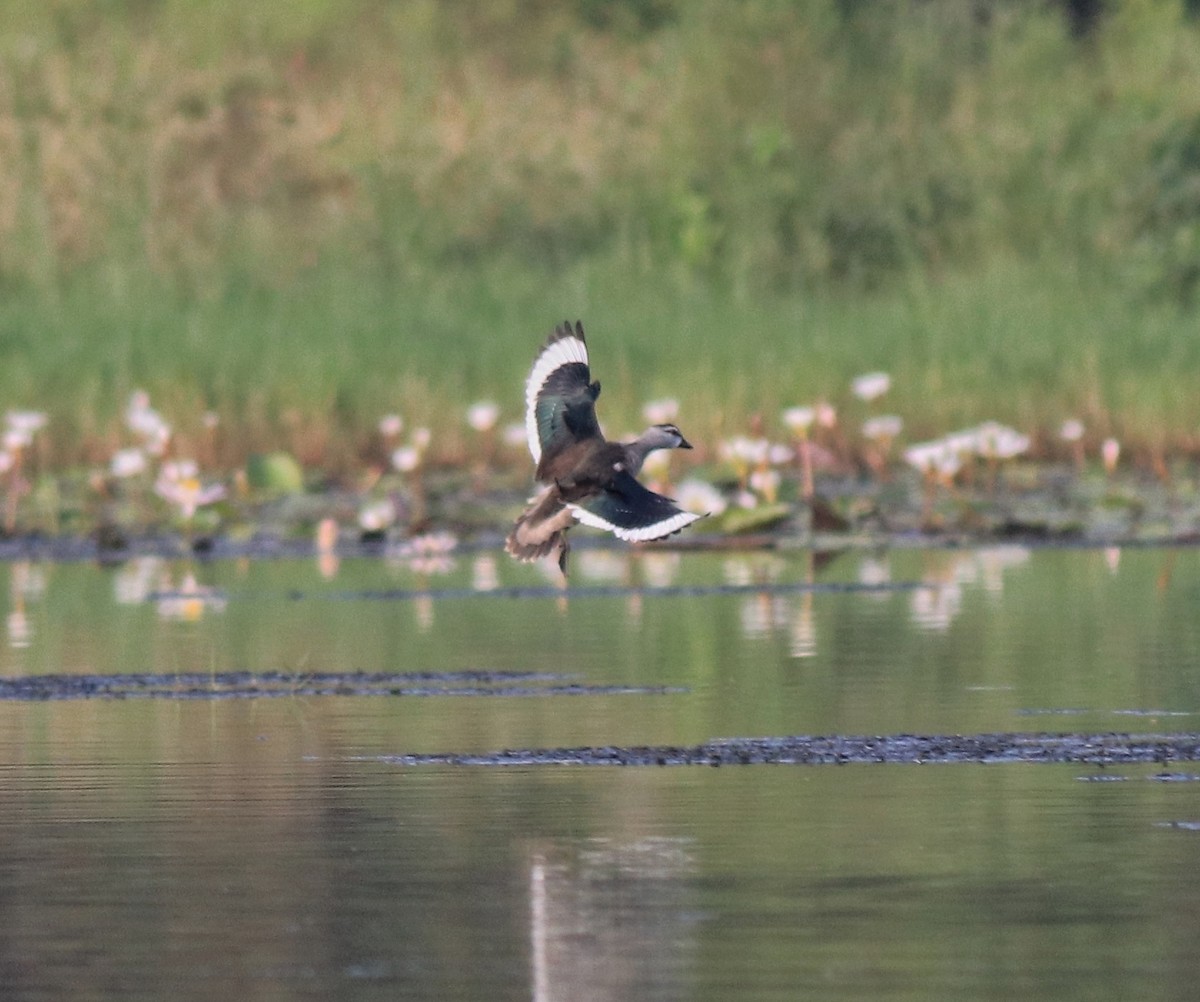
(312, 367)
(305, 219)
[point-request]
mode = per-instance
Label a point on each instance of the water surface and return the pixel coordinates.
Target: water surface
(166, 845)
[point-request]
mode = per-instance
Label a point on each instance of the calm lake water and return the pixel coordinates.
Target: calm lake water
(167, 846)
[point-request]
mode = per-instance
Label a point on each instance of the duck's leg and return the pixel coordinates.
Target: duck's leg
(564, 550)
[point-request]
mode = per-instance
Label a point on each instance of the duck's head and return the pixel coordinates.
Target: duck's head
(664, 436)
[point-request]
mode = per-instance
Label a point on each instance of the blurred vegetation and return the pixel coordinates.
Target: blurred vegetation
(303, 216)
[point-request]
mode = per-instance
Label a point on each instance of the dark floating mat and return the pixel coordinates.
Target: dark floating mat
(261, 685)
(1093, 749)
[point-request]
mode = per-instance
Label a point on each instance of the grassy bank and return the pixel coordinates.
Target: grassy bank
(301, 220)
(313, 369)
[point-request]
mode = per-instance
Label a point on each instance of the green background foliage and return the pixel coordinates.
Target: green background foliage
(304, 216)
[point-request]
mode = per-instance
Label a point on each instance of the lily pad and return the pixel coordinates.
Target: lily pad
(737, 520)
(278, 472)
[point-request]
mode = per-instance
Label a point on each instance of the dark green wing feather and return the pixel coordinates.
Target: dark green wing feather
(560, 397)
(631, 511)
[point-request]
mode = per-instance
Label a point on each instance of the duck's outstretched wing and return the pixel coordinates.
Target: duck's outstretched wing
(560, 398)
(632, 512)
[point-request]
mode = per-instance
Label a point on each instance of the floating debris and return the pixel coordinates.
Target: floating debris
(1093, 749)
(265, 685)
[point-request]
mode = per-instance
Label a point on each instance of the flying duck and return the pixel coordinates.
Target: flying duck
(586, 478)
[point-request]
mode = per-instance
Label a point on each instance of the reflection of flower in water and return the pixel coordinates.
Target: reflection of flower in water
(761, 615)
(602, 565)
(423, 609)
(659, 569)
(20, 632)
(136, 579)
(429, 553)
(993, 561)
(755, 568)
(804, 630)
(875, 572)
(326, 546)
(190, 601)
(935, 608)
(939, 602)
(426, 556)
(485, 574)
(27, 581)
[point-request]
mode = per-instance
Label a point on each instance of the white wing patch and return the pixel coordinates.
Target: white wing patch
(558, 353)
(641, 534)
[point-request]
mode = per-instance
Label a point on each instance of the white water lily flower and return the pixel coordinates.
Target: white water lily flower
(799, 419)
(949, 463)
(127, 463)
(871, 385)
(142, 419)
(15, 441)
(25, 422)
(188, 494)
(925, 456)
(778, 455)
(1071, 430)
(1110, 452)
(997, 441)
(657, 465)
(407, 458)
(375, 516)
(179, 469)
(661, 411)
(515, 435)
(482, 416)
(390, 425)
(766, 483)
(883, 428)
(699, 498)
(742, 452)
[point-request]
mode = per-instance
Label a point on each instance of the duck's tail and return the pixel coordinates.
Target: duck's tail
(542, 528)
